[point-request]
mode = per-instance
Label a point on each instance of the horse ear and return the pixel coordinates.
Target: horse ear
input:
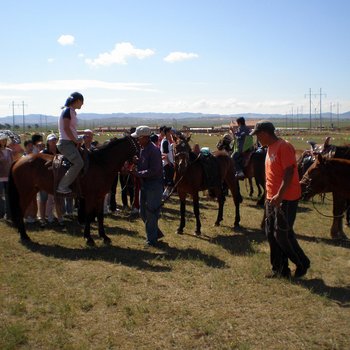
(326, 142)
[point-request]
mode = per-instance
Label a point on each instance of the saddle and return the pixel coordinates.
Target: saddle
(211, 170)
(60, 166)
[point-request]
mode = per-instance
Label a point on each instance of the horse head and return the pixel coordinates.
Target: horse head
(182, 151)
(316, 178)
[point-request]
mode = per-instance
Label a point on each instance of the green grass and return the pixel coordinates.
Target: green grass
(206, 292)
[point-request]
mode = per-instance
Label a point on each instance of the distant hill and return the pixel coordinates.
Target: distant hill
(174, 119)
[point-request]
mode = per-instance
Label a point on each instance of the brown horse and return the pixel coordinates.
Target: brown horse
(32, 173)
(340, 204)
(255, 169)
(329, 175)
(190, 178)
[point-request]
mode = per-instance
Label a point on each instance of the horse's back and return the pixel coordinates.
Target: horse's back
(34, 171)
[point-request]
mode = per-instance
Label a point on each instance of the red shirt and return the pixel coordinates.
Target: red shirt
(281, 155)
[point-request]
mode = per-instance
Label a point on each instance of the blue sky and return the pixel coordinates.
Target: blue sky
(223, 56)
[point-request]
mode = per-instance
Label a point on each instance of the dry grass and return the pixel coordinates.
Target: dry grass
(205, 292)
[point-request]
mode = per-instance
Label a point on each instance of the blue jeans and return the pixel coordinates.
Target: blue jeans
(150, 203)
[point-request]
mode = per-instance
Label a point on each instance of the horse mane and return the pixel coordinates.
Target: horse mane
(101, 153)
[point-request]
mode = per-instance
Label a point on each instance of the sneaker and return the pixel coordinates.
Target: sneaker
(134, 211)
(61, 222)
(276, 274)
(166, 193)
(64, 190)
(30, 220)
(240, 175)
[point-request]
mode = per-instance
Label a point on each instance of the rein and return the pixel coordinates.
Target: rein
(328, 216)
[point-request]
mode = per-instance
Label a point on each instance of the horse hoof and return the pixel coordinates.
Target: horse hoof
(90, 242)
(197, 233)
(25, 239)
(107, 240)
(217, 223)
(179, 231)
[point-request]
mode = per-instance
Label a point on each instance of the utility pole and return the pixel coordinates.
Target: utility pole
(13, 115)
(320, 94)
(338, 113)
(24, 122)
(309, 107)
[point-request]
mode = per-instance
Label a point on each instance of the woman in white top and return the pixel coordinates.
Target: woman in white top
(68, 140)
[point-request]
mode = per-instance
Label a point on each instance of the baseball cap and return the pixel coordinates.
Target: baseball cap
(263, 125)
(51, 137)
(142, 130)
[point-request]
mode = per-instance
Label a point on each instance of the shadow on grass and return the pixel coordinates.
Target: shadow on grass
(242, 242)
(344, 243)
(341, 295)
(132, 257)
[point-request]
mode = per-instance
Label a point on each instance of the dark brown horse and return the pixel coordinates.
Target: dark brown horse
(32, 173)
(190, 178)
(340, 204)
(255, 169)
(327, 175)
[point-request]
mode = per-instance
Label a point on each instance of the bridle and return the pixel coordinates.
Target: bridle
(133, 144)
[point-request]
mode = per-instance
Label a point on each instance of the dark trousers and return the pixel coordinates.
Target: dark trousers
(168, 175)
(281, 237)
(127, 185)
(238, 158)
(112, 200)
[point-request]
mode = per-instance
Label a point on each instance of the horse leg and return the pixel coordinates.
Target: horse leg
(87, 229)
(24, 203)
(101, 229)
(180, 229)
(237, 199)
(251, 188)
(259, 187)
(339, 206)
(196, 213)
(221, 201)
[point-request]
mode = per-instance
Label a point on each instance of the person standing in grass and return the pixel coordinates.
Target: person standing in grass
(150, 171)
(282, 195)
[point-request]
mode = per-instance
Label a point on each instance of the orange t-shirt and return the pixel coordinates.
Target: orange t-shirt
(281, 155)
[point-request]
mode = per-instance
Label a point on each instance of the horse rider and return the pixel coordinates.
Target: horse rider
(225, 144)
(69, 140)
(243, 142)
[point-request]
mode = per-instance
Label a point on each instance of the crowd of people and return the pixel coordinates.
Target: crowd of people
(148, 178)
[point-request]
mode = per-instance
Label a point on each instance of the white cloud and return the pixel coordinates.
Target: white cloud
(81, 55)
(77, 84)
(180, 56)
(66, 40)
(119, 55)
(50, 60)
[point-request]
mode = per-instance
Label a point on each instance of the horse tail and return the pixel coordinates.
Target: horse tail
(14, 199)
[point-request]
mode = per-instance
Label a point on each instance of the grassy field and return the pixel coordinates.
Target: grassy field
(207, 292)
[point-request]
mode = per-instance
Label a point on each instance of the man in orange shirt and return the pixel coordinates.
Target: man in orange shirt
(282, 196)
